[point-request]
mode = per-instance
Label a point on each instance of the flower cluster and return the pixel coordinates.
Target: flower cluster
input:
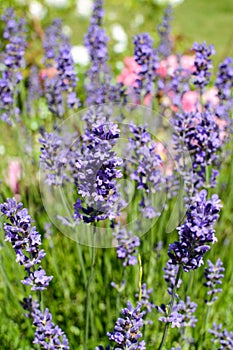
(97, 173)
(127, 332)
(145, 167)
(127, 246)
(47, 334)
(223, 337)
(171, 271)
(203, 64)
(145, 298)
(181, 315)
(146, 58)
(64, 79)
(15, 36)
(199, 134)
(54, 157)
(164, 30)
(224, 84)
(213, 276)
(98, 75)
(26, 241)
(196, 233)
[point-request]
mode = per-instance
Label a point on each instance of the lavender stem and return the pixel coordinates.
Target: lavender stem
(88, 299)
(170, 309)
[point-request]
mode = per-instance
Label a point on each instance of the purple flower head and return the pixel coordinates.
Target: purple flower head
(223, 338)
(146, 58)
(25, 241)
(53, 37)
(55, 157)
(13, 61)
(47, 334)
(199, 135)
(196, 233)
(203, 64)
(224, 84)
(97, 169)
(98, 77)
(213, 276)
(164, 30)
(98, 13)
(144, 167)
(127, 246)
(34, 88)
(145, 298)
(127, 332)
(171, 271)
(181, 315)
(58, 56)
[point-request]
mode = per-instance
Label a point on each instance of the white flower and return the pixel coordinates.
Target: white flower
(36, 9)
(57, 3)
(84, 7)
(80, 55)
(168, 2)
(120, 36)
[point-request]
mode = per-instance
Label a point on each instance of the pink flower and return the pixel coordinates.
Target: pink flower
(129, 74)
(211, 96)
(168, 66)
(190, 101)
(14, 175)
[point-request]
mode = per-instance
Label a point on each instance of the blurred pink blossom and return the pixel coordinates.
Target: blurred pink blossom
(14, 175)
(129, 74)
(168, 66)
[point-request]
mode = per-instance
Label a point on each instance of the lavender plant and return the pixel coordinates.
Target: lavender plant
(13, 61)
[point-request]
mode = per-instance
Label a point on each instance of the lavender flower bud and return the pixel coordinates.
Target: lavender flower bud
(127, 332)
(213, 275)
(223, 338)
(203, 64)
(196, 233)
(26, 241)
(181, 315)
(47, 334)
(164, 30)
(171, 271)
(13, 61)
(127, 246)
(146, 58)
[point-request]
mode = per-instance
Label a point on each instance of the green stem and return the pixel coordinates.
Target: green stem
(163, 341)
(206, 319)
(88, 298)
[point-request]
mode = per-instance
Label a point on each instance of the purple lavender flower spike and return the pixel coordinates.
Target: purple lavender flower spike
(127, 246)
(26, 241)
(127, 332)
(58, 57)
(164, 30)
(196, 233)
(145, 298)
(171, 271)
(203, 64)
(198, 133)
(13, 61)
(97, 169)
(222, 337)
(98, 76)
(213, 275)
(146, 58)
(47, 334)
(181, 315)
(144, 166)
(224, 84)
